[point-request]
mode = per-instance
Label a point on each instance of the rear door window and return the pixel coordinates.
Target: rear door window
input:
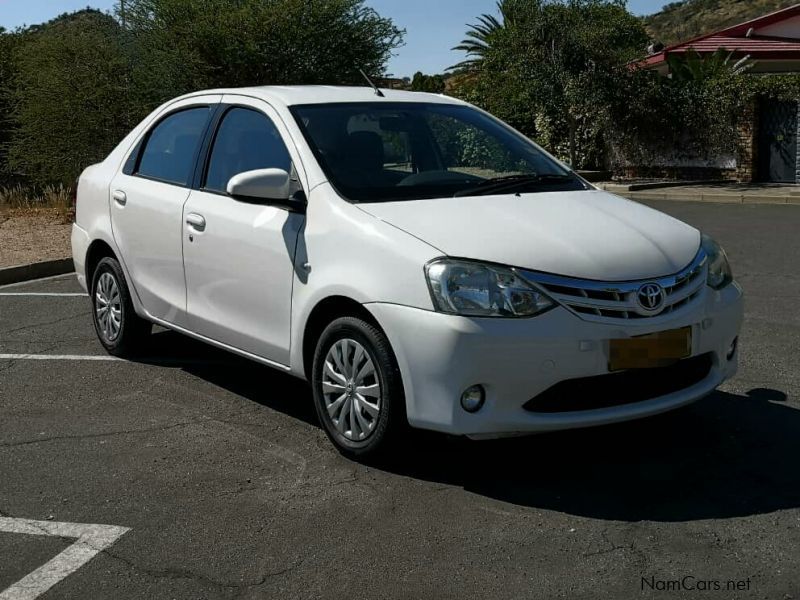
(171, 148)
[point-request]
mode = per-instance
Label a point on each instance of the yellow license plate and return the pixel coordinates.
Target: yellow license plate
(647, 351)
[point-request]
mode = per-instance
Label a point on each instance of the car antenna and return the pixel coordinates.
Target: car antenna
(371, 83)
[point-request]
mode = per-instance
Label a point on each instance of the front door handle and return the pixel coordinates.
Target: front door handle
(196, 222)
(120, 197)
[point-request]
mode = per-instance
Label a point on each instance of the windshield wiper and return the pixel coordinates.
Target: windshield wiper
(509, 182)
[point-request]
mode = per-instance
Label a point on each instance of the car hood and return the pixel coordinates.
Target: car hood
(589, 235)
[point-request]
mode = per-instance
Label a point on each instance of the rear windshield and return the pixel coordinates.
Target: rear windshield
(379, 152)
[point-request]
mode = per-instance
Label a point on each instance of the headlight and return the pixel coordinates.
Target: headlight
(719, 271)
(480, 290)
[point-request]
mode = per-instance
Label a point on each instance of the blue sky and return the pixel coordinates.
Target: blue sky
(432, 27)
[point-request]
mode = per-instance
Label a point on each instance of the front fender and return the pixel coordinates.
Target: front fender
(343, 251)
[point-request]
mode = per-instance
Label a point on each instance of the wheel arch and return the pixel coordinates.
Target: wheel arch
(98, 250)
(323, 314)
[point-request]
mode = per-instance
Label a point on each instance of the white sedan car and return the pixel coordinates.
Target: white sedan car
(416, 260)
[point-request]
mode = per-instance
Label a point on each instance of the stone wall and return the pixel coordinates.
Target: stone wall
(743, 170)
(741, 167)
(679, 164)
(797, 166)
(676, 173)
(747, 146)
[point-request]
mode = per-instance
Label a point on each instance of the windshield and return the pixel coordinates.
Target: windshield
(380, 152)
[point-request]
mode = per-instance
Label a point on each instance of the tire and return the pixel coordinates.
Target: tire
(380, 420)
(121, 331)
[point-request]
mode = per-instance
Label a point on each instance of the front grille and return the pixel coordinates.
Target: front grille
(617, 389)
(598, 300)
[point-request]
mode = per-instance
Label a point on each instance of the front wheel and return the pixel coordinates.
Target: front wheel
(358, 392)
(120, 330)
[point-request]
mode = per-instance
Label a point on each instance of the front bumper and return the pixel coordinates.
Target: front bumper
(516, 359)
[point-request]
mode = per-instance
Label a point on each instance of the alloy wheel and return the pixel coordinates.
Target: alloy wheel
(351, 389)
(108, 307)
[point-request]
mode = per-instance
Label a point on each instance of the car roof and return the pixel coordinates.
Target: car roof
(290, 95)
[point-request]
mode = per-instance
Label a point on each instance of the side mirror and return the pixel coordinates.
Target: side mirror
(270, 186)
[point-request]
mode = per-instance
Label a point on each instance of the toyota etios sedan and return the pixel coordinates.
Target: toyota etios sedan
(415, 259)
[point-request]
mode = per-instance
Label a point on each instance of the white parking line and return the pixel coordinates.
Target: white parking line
(59, 357)
(164, 361)
(51, 278)
(65, 294)
(91, 540)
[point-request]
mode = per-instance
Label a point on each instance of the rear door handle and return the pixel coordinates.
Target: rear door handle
(120, 197)
(196, 222)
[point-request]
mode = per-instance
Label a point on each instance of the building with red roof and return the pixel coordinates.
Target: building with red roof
(768, 146)
(771, 42)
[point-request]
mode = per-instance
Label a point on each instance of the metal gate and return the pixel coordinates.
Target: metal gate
(777, 141)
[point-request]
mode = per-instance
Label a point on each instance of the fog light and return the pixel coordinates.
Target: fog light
(473, 398)
(732, 349)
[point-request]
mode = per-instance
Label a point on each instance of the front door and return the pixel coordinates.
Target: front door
(777, 147)
(239, 261)
(147, 199)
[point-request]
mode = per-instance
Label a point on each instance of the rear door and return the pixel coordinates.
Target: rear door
(239, 262)
(147, 199)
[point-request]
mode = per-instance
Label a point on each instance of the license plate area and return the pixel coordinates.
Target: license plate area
(659, 349)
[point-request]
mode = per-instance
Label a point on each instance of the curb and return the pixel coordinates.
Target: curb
(38, 270)
(617, 188)
(710, 198)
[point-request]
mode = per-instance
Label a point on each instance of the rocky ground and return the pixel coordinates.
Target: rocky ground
(33, 235)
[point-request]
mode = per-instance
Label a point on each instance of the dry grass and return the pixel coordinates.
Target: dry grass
(52, 201)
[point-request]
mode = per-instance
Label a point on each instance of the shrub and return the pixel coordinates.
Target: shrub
(70, 102)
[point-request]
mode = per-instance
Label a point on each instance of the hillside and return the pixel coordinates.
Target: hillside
(681, 21)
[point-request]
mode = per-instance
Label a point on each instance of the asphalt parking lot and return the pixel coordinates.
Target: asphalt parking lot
(231, 490)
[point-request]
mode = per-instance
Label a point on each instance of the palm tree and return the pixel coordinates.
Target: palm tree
(692, 66)
(480, 37)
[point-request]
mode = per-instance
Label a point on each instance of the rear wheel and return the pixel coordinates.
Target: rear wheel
(358, 392)
(118, 327)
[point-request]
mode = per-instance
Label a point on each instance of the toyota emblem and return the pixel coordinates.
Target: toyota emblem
(650, 297)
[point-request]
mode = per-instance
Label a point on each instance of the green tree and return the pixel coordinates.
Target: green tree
(196, 44)
(8, 41)
(69, 97)
(427, 83)
(547, 65)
